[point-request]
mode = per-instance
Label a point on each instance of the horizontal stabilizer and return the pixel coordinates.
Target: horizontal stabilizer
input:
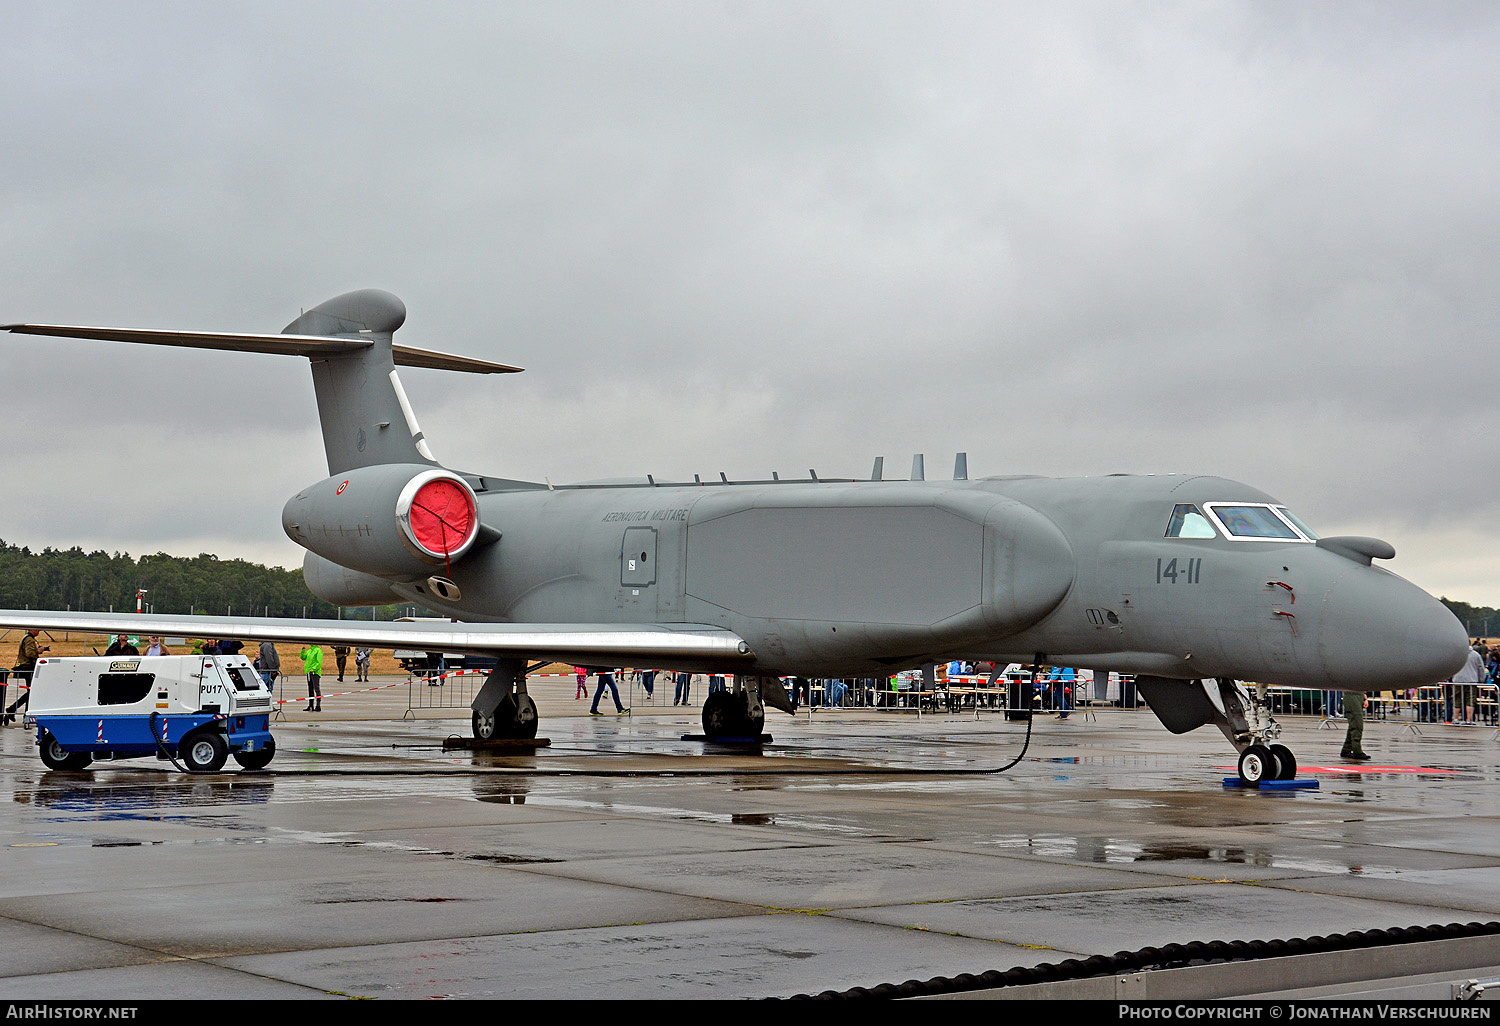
(312, 346)
(581, 643)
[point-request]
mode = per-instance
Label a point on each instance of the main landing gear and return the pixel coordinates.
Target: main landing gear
(503, 709)
(737, 714)
(741, 713)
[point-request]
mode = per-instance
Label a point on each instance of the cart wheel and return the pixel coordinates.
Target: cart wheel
(59, 758)
(203, 752)
(257, 760)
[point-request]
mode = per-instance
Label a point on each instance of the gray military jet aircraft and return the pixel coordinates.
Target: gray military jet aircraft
(1193, 583)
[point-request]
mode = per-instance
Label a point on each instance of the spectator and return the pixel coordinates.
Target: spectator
(154, 646)
(606, 680)
(1064, 679)
(312, 665)
(1354, 735)
(121, 647)
(26, 657)
(682, 689)
(270, 663)
(582, 691)
(1461, 692)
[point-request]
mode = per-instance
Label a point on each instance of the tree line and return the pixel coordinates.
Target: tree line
(1479, 621)
(64, 579)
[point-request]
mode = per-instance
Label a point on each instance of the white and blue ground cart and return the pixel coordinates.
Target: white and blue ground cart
(194, 708)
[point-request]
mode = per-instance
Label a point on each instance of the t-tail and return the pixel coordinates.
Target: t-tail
(366, 417)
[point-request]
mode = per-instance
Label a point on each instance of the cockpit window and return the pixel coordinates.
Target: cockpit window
(1245, 521)
(1187, 522)
(1297, 523)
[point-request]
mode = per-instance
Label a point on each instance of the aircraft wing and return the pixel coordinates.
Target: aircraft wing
(590, 644)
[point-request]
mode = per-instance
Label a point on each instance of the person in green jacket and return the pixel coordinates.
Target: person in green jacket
(312, 665)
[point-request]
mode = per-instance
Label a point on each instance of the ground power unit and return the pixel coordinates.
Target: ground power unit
(195, 710)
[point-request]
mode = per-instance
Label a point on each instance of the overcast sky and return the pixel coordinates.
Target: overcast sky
(1250, 239)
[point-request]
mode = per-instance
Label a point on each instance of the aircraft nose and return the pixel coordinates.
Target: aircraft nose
(1437, 646)
(1381, 632)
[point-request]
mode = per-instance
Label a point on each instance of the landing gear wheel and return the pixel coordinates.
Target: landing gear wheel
(257, 760)
(486, 728)
(59, 758)
(753, 715)
(731, 715)
(1286, 762)
(204, 752)
(1257, 764)
(718, 716)
(514, 717)
(517, 716)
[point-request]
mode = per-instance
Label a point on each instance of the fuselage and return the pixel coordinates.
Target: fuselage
(863, 578)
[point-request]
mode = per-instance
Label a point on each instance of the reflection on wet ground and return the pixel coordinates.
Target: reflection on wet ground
(848, 852)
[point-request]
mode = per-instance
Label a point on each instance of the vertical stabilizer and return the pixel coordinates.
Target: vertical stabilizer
(366, 418)
(364, 411)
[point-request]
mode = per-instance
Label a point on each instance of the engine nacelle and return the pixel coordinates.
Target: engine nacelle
(345, 587)
(396, 521)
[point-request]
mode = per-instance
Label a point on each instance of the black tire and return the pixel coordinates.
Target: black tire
(752, 725)
(1257, 764)
(205, 751)
(728, 715)
(55, 756)
(257, 760)
(515, 717)
(719, 719)
(1286, 762)
(522, 719)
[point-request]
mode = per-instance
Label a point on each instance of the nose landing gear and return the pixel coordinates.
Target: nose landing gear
(1261, 762)
(1261, 757)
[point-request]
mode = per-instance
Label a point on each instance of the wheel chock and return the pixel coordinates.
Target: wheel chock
(759, 739)
(1273, 785)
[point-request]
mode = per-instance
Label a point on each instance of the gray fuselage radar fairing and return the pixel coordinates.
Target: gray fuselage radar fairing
(1191, 582)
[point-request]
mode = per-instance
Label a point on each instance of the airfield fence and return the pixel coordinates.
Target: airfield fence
(965, 693)
(960, 693)
(451, 689)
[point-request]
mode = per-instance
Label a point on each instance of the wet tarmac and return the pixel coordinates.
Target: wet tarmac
(620, 861)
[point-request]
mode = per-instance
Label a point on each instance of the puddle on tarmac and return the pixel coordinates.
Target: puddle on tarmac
(1104, 850)
(104, 800)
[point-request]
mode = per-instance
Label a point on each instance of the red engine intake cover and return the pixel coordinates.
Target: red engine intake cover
(438, 515)
(443, 516)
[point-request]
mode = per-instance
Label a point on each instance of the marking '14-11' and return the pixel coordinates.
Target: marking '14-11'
(1190, 572)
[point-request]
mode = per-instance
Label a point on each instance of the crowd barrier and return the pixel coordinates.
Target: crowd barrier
(954, 693)
(455, 689)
